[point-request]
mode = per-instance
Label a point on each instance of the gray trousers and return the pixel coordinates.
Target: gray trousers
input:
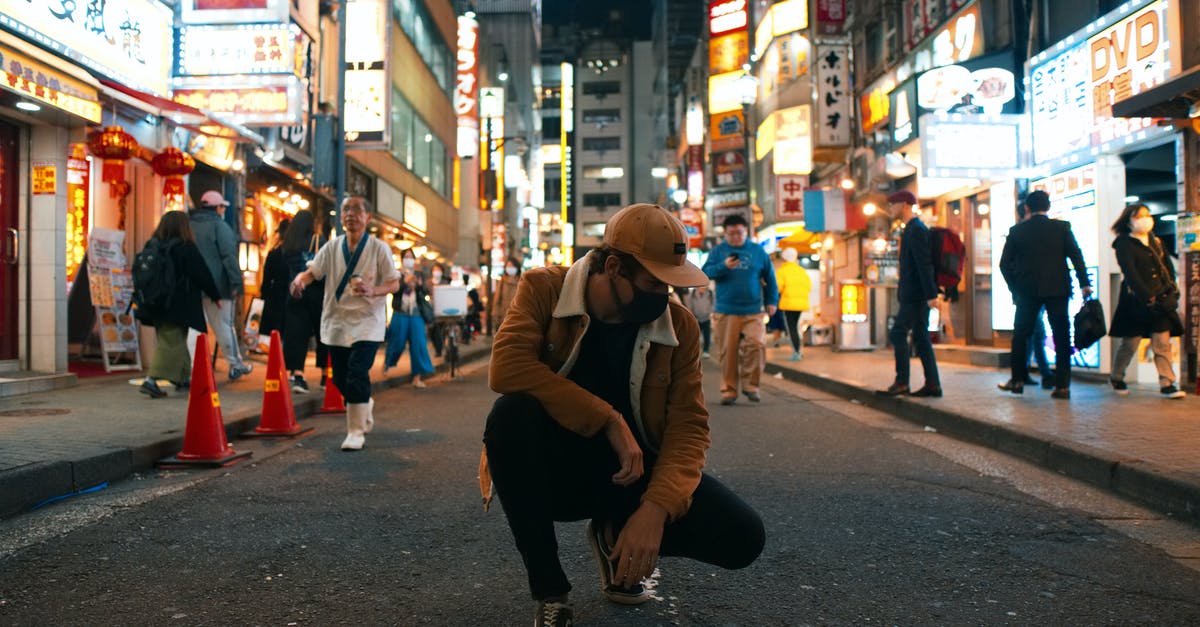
(1126, 347)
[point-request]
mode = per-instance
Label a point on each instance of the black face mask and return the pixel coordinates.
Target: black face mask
(643, 308)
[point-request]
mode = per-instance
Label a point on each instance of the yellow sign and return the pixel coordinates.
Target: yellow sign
(34, 80)
(271, 385)
(728, 52)
(853, 298)
(723, 93)
(44, 178)
(216, 401)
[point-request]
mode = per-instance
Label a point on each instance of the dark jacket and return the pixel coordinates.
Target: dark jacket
(191, 278)
(275, 284)
(297, 262)
(218, 246)
(1034, 260)
(916, 264)
(1148, 272)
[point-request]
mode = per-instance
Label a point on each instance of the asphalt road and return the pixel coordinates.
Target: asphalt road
(869, 521)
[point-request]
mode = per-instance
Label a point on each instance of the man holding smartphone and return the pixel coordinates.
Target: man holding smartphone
(746, 286)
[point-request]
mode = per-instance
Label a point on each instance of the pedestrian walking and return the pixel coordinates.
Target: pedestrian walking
(745, 285)
(218, 246)
(1034, 264)
(184, 310)
(917, 293)
(602, 417)
(410, 309)
(1037, 339)
(1148, 305)
(794, 287)
(506, 289)
(302, 316)
(353, 316)
(699, 300)
(275, 280)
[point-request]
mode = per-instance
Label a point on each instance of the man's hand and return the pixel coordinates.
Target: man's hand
(296, 288)
(1087, 290)
(932, 303)
(731, 262)
(636, 550)
(771, 310)
(629, 454)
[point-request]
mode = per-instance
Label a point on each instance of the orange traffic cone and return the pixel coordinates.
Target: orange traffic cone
(204, 442)
(278, 414)
(334, 404)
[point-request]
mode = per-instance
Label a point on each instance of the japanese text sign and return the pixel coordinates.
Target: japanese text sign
(368, 92)
(727, 16)
(466, 86)
(234, 11)
(789, 196)
(31, 79)
(1126, 59)
(131, 41)
(831, 16)
(44, 178)
(270, 100)
(834, 100)
(243, 49)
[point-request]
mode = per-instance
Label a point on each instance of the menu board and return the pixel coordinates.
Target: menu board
(111, 286)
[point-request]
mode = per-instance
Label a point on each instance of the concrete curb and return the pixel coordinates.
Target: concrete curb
(28, 486)
(1166, 491)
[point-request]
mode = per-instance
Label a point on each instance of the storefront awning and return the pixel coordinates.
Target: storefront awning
(191, 118)
(1176, 98)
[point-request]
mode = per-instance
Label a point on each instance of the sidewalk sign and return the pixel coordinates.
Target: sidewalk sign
(111, 286)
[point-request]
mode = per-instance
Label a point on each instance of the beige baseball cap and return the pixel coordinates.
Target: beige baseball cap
(657, 240)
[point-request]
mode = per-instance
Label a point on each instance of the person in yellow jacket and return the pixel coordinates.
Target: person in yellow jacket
(794, 286)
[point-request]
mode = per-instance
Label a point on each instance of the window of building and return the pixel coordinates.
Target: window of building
(551, 128)
(416, 147)
(601, 116)
(873, 46)
(600, 89)
(602, 200)
(593, 229)
(601, 143)
(603, 172)
(553, 189)
(419, 27)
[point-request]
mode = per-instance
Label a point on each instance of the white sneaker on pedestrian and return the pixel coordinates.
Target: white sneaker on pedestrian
(419, 384)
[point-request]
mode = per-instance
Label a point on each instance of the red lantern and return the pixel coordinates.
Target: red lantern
(114, 146)
(174, 164)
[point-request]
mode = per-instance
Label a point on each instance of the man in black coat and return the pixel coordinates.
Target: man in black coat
(917, 294)
(1034, 264)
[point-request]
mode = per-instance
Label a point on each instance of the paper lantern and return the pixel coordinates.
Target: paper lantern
(173, 164)
(114, 146)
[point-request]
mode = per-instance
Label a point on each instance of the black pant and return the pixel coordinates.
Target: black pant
(1028, 308)
(913, 318)
(352, 370)
(302, 320)
(793, 327)
(706, 333)
(544, 473)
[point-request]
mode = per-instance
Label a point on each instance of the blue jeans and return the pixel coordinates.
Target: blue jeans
(913, 318)
(410, 330)
(352, 370)
(1037, 346)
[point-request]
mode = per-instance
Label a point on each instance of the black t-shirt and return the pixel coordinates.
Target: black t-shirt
(605, 357)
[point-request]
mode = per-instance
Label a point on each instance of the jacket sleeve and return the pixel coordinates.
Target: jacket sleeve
(197, 270)
(922, 256)
(686, 438)
(1071, 246)
(1124, 247)
(770, 287)
(227, 250)
(516, 369)
(1008, 268)
(714, 264)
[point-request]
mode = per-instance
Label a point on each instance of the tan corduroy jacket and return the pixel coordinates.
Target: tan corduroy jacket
(538, 344)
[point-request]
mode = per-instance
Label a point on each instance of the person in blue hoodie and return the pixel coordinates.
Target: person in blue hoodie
(745, 282)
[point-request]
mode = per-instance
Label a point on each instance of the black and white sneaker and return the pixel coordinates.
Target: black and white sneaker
(299, 386)
(554, 614)
(1170, 391)
(631, 595)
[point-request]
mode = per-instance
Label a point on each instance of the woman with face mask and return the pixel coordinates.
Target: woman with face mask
(1149, 300)
(408, 322)
(506, 289)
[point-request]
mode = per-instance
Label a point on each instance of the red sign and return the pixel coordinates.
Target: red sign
(695, 158)
(693, 223)
(789, 196)
(831, 16)
(727, 16)
(78, 184)
(466, 88)
(729, 169)
(1191, 307)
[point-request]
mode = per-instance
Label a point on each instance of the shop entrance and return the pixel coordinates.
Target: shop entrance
(10, 249)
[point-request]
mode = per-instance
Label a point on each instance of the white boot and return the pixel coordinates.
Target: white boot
(370, 416)
(356, 418)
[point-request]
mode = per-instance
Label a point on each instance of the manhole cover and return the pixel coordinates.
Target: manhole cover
(34, 411)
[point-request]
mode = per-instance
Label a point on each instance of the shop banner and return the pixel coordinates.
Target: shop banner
(368, 88)
(265, 100)
(234, 11)
(831, 16)
(789, 197)
(32, 79)
(693, 223)
(1191, 307)
(729, 169)
(971, 146)
(834, 100)
(130, 41)
(726, 131)
(728, 52)
(243, 49)
(466, 87)
(79, 174)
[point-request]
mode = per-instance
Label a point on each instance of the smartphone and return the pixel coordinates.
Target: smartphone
(734, 256)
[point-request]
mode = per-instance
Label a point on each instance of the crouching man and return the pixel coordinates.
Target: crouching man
(603, 418)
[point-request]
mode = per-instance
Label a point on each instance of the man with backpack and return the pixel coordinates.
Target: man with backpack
(917, 292)
(218, 246)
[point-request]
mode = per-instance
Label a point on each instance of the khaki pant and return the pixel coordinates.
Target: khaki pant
(738, 341)
(1126, 350)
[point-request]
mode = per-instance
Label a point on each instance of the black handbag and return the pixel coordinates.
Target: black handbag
(426, 309)
(1089, 324)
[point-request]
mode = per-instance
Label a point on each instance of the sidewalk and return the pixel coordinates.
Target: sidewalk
(1141, 446)
(63, 441)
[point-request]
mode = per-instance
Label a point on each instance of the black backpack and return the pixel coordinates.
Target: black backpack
(154, 277)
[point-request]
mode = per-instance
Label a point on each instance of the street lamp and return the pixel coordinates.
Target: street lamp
(747, 88)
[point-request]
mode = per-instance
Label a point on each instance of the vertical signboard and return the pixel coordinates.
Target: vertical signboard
(833, 96)
(78, 207)
(831, 16)
(1126, 59)
(368, 93)
(466, 86)
(789, 197)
